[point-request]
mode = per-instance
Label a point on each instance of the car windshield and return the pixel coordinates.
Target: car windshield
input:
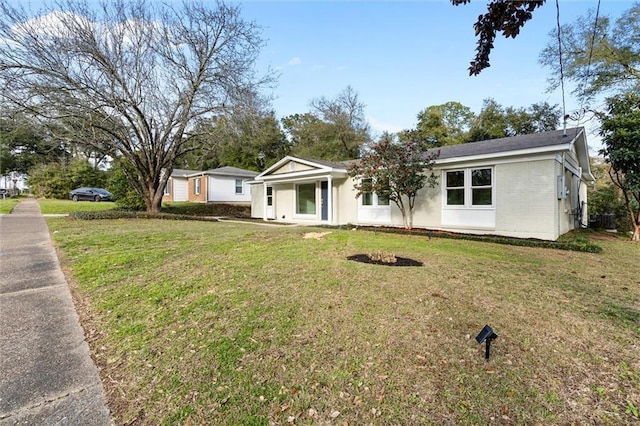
(101, 191)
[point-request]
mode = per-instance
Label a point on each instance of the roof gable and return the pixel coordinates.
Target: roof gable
(296, 166)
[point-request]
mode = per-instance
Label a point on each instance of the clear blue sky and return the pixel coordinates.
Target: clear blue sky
(402, 56)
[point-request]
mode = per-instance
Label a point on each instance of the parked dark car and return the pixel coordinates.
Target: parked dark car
(90, 194)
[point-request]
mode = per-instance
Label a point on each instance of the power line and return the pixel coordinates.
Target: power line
(564, 106)
(587, 75)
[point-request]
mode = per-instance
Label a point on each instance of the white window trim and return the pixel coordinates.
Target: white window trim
(468, 193)
(241, 187)
(374, 202)
(167, 188)
(197, 186)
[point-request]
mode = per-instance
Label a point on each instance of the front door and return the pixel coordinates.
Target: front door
(324, 200)
(269, 210)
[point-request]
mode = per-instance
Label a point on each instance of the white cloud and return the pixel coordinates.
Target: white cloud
(294, 61)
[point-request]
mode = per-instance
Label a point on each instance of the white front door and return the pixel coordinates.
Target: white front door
(269, 211)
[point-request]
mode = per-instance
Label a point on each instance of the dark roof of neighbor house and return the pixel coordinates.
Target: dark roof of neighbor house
(514, 143)
(231, 171)
(182, 172)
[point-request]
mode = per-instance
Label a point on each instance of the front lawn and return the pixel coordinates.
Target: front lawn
(223, 323)
(52, 206)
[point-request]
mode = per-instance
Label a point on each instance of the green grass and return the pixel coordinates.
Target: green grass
(51, 206)
(7, 204)
(223, 323)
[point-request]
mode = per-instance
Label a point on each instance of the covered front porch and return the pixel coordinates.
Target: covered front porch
(300, 191)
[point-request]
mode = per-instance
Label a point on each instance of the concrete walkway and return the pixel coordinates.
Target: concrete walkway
(47, 376)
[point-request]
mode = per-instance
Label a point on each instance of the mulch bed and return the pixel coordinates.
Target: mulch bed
(400, 261)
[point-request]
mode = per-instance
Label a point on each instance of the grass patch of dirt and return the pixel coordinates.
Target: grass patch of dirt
(226, 323)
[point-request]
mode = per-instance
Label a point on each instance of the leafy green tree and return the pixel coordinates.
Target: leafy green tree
(540, 117)
(253, 143)
(491, 122)
(335, 129)
(55, 180)
(600, 61)
(139, 74)
(620, 131)
(605, 197)
(124, 195)
(494, 121)
(396, 171)
(23, 144)
(441, 125)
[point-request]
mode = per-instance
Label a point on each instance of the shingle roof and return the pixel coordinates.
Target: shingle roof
(182, 172)
(231, 171)
(514, 143)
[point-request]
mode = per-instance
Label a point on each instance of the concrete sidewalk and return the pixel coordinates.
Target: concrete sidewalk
(47, 376)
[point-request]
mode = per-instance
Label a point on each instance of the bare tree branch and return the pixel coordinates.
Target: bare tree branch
(133, 77)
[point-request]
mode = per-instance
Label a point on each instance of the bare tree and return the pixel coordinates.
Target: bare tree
(132, 76)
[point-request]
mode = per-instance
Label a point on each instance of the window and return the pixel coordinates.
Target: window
(238, 186)
(455, 188)
(370, 198)
(469, 187)
(481, 191)
(167, 188)
(269, 196)
(196, 186)
(367, 194)
(306, 198)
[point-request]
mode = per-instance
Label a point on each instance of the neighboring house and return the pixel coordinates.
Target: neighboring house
(528, 186)
(227, 185)
(177, 188)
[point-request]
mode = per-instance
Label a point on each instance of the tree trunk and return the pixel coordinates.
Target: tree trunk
(636, 233)
(153, 201)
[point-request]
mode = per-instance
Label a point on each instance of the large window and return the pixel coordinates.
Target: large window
(306, 198)
(196, 186)
(469, 187)
(238, 186)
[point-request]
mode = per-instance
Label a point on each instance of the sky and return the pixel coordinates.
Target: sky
(403, 56)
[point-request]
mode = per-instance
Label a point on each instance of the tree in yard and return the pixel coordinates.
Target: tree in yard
(494, 121)
(55, 180)
(395, 171)
(335, 129)
(504, 16)
(598, 58)
(620, 131)
(24, 144)
(135, 77)
(441, 125)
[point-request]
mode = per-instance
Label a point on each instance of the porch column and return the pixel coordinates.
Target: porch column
(264, 201)
(330, 200)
